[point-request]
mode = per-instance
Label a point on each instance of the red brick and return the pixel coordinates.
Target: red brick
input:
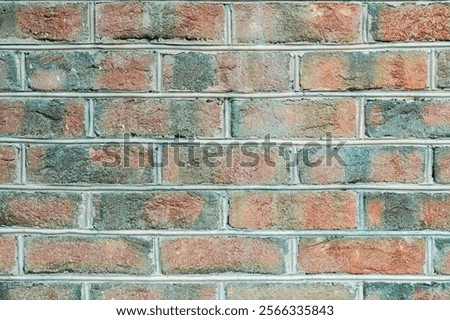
(364, 71)
(90, 71)
(293, 118)
(441, 165)
(362, 256)
(61, 22)
(282, 210)
(42, 117)
(7, 255)
(211, 255)
(407, 211)
(232, 166)
(87, 255)
(8, 165)
(179, 21)
(410, 22)
(230, 71)
(45, 210)
(290, 291)
(159, 117)
(156, 210)
(135, 291)
(296, 22)
(39, 291)
(362, 164)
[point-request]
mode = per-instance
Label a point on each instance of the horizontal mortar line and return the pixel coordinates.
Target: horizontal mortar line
(219, 47)
(233, 141)
(395, 187)
(194, 278)
(376, 94)
(226, 232)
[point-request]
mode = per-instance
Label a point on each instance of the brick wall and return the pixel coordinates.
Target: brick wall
(84, 215)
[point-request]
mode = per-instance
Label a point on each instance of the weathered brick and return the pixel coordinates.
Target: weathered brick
(441, 254)
(441, 165)
(159, 117)
(7, 255)
(293, 210)
(53, 22)
(135, 291)
(407, 119)
(39, 291)
(405, 70)
(407, 211)
(38, 209)
(362, 255)
(163, 210)
(212, 255)
(8, 164)
(409, 22)
(443, 68)
(84, 70)
(87, 255)
(9, 71)
(44, 118)
(296, 22)
(406, 291)
(231, 71)
(106, 164)
(161, 21)
(362, 164)
(290, 291)
(223, 165)
(293, 118)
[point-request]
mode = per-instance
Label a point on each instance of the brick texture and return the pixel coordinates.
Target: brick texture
(174, 150)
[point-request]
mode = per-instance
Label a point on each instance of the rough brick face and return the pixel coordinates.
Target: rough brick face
(288, 22)
(60, 22)
(252, 255)
(281, 210)
(153, 292)
(406, 291)
(407, 119)
(87, 255)
(441, 166)
(44, 118)
(233, 71)
(410, 22)
(251, 165)
(362, 256)
(159, 117)
(443, 69)
(161, 20)
(107, 164)
(412, 211)
(163, 149)
(80, 71)
(362, 164)
(9, 71)
(165, 210)
(7, 255)
(289, 291)
(8, 157)
(442, 256)
(363, 71)
(45, 210)
(39, 291)
(293, 118)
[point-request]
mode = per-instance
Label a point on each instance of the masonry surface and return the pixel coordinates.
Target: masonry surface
(79, 220)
